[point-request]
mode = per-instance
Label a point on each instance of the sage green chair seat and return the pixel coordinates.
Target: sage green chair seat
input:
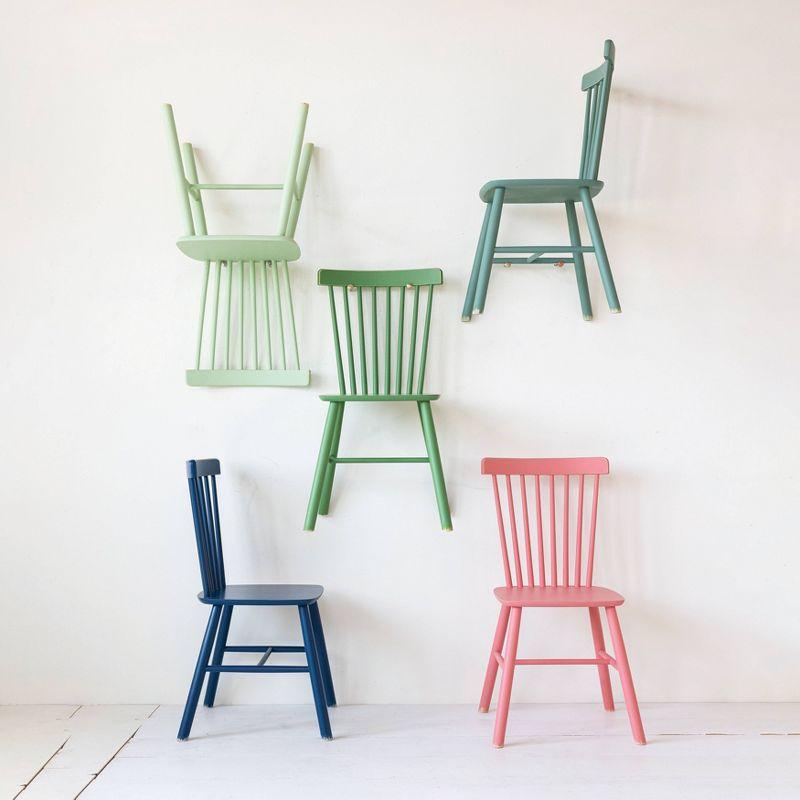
(382, 361)
(239, 248)
(540, 190)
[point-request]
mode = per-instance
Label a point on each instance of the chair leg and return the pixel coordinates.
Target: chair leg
(199, 673)
(432, 446)
(580, 267)
(322, 650)
(624, 669)
(314, 673)
(219, 652)
(322, 466)
(600, 251)
(327, 486)
(501, 717)
(602, 669)
(469, 300)
(489, 244)
(491, 669)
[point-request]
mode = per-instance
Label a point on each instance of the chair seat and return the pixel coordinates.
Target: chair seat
(377, 398)
(558, 596)
(239, 248)
(264, 594)
(544, 190)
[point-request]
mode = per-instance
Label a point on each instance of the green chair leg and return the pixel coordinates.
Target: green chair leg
(580, 267)
(469, 301)
(600, 252)
(429, 432)
(489, 244)
(322, 466)
(327, 486)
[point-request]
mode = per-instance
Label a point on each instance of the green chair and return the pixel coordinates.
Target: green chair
(385, 363)
(243, 332)
(597, 85)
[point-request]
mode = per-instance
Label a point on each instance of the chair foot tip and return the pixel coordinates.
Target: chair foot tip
(588, 317)
(616, 310)
(465, 318)
(327, 738)
(447, 530)
(483, 710)
(498, 746)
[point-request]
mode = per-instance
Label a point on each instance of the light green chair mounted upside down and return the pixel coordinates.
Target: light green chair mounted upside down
(243, 332)
(566, 191)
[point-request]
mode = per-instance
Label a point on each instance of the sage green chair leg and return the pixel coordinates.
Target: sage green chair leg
(469, 301)
(322, 466)
(600, 252)
(429, 432)
(327, 486)
(489, 243)
(580, 267)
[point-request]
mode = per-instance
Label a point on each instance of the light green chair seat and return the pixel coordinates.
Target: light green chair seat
(371, 398)
(544, 190)
(239, 248)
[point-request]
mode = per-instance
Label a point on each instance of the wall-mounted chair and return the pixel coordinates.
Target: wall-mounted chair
(384, 373)
(255, 307)
(566, 191)
(224, 597)
(558, 573)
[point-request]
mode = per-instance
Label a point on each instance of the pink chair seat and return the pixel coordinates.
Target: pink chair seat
(558, 596)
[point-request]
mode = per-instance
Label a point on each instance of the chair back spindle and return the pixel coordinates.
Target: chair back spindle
(557, 560)
(202, 476)
(361, 304)
(597, 85)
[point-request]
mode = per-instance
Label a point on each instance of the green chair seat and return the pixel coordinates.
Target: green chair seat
(372, 398)
(239, 248)
(545, 190)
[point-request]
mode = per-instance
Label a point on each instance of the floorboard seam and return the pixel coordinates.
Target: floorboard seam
(38, 771)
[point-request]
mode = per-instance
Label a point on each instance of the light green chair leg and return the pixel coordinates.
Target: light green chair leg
(429, 432)
(327, 486)
(469, 301)
(600, 252)
(322, 466)
(580, 267)
(489, 243)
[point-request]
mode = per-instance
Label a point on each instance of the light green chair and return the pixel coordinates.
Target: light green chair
(564, 191)
(385, 363)
(246, 333)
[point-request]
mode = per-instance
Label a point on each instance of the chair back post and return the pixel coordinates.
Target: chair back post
(290, 187)
(368, 316)
(302, 177)
(597, 85)
(562, 558)
(195, 198)
(180, 176)
(201, 475)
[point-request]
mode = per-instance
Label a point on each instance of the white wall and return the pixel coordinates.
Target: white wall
(692, 393)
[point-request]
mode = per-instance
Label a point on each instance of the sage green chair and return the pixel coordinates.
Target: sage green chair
(385, 360)
(567, 191)
(246, 333)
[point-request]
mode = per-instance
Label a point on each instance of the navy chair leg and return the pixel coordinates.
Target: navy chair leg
(219, 651)
(314, 672)
(199, 673)
(322, 652)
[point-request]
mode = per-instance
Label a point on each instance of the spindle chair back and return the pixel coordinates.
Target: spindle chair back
(546, 512)
(597, 85)
(202, 476)
(381, 330)
(246, 332)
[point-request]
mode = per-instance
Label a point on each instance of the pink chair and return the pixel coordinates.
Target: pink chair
(556, 582)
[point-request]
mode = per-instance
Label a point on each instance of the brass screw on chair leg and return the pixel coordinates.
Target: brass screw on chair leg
(558, 264)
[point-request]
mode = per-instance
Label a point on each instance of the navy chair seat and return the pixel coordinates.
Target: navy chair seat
(263, 594)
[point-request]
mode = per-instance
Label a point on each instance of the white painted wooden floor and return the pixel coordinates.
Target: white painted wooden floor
(732, 751)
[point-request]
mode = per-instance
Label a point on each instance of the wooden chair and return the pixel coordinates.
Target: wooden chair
(597, 85)
(223, 597)
(553, 581)
(257, 300)
(366, 302)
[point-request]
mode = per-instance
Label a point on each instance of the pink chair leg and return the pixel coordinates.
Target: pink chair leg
(602, 669)
(491, 669)
(509, 658)
(628, 692)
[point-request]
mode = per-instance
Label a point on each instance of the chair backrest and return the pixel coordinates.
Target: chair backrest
(202, 477)
(551, 564)
(366, 317)
(190, 189)
(597, 85)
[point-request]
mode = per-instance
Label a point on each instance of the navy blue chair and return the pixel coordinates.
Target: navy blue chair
(223, 598)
